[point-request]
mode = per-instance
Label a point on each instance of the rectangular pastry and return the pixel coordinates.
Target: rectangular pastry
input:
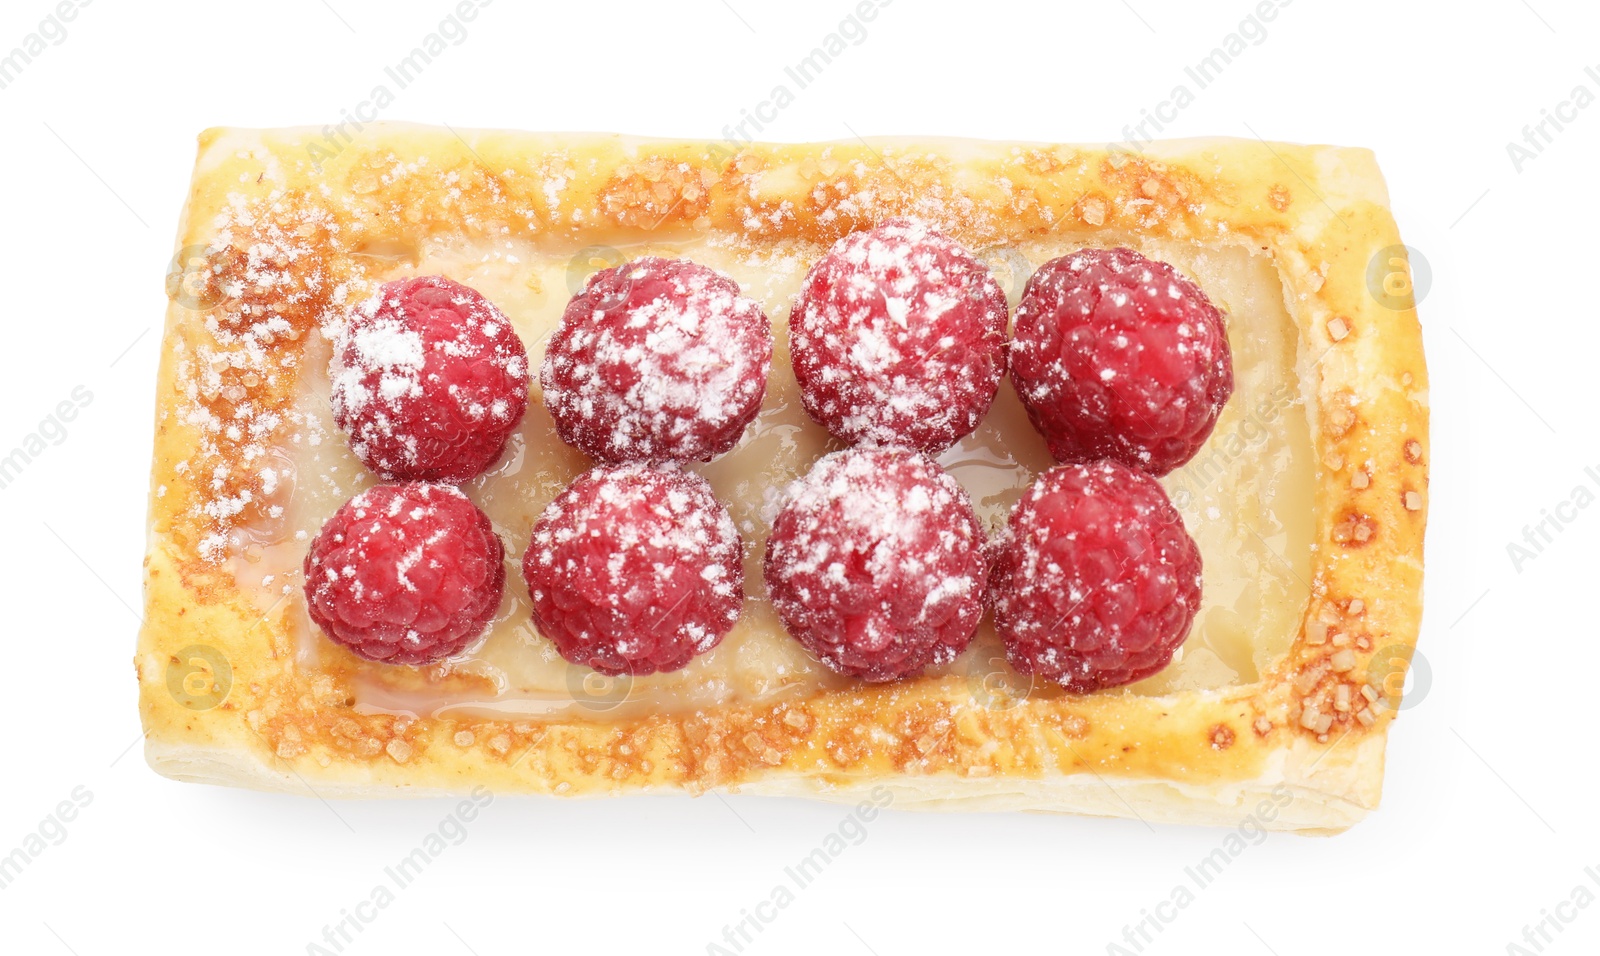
(1305, 493)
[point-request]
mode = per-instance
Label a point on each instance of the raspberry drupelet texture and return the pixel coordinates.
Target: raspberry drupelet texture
(429, 381)
(1095, 582)
(1118, 356)
(635, 569)
(657, 360)
(898, 337)
(876, 565)
(408, 573)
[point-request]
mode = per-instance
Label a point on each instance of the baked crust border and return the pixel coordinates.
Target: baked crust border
(1208, 757)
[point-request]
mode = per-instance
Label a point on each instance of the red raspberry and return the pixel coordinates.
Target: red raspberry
(1117, 356)
(876, 564)
(1096, 581)
(635, 569)
(899, 338)
(408, 574)
(657, 360)
(430, 380)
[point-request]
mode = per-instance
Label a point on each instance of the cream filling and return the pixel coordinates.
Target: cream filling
(1246, 497)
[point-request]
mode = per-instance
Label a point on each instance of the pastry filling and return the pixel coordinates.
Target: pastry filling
(1245, 497)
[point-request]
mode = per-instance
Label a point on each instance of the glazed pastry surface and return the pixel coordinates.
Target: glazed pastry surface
(1307, 502)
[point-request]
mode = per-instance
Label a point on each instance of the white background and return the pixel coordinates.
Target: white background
(1488, 819)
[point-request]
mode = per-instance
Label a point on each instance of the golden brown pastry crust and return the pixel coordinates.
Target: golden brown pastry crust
(1200, 756)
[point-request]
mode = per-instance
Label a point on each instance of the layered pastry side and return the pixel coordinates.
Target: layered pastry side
(1306, 501)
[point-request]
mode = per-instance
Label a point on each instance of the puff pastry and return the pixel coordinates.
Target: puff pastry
(1308, 503)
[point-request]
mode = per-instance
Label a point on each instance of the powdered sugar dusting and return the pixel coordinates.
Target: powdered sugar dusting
(635, 568)
(876, 565)
(898, 338)
(389, 349)
(406, 573)
(657, 359)
(429, 380)
(259, 288)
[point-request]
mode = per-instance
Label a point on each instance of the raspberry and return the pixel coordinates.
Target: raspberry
(635, 569)
(1117, 356)
(430, 380)
(898, 337)
(657, 360)
(408, 573)
(876, 564)
(1095, 581)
